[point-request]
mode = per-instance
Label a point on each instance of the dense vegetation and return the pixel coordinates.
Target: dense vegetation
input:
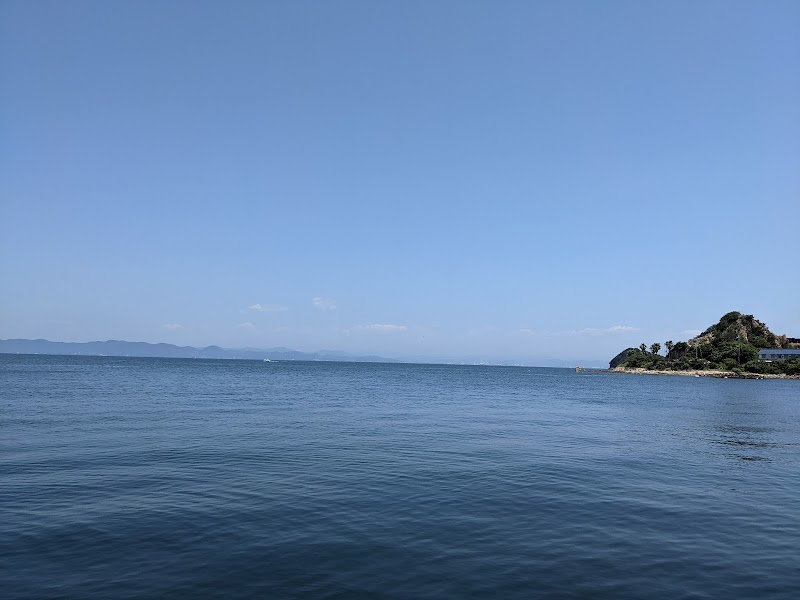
(730, 345)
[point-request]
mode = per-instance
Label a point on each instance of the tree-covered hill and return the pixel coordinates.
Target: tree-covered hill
(730, 345)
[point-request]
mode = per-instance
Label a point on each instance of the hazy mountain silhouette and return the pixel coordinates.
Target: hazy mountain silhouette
(144, 349)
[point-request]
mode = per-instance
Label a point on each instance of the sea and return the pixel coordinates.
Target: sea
(171, 478)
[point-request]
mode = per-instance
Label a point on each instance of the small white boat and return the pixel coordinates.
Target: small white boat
(267, 360)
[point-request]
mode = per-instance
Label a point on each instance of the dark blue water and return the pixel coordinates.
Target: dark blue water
(151, 478)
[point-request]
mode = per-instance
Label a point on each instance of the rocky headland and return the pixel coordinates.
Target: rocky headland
(728, 349)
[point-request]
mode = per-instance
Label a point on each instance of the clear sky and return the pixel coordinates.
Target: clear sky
(505, 179)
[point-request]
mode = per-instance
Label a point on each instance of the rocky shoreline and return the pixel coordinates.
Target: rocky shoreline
(704, 373)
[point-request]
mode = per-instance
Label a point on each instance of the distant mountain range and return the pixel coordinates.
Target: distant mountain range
(144, 349)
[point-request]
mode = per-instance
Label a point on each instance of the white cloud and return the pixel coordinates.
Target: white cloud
(585, 331)
(482, 330)
(324, 303)
(615, 328)
(172, 326)
(267, 308)
(245, 325)
(612, 329)
(691, 332)
(547, 332)
(383, 328)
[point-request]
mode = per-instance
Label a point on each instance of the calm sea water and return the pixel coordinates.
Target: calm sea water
(158, 478)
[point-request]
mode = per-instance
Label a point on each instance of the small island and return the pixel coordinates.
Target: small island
(737, 346)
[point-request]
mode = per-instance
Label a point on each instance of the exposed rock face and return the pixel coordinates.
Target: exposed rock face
(735, 326)
(730, 345)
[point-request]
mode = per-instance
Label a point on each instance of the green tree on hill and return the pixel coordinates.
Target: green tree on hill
(732, 344)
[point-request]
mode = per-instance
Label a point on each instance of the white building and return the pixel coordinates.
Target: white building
(769, 354)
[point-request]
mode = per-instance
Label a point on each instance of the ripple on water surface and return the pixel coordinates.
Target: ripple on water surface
(135, 478)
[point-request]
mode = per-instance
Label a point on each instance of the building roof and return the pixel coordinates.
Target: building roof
(780, 351)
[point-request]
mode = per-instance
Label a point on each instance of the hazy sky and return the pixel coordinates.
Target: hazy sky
(508, 179)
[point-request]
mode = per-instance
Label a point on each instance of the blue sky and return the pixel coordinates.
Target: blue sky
(512, 180)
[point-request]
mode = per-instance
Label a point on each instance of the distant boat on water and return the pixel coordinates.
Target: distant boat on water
(267, 360)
